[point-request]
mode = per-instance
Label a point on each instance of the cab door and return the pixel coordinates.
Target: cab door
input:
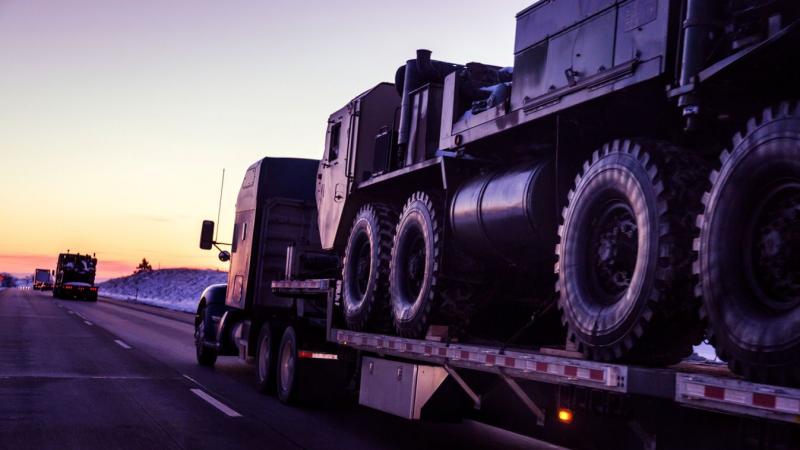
(334, 175)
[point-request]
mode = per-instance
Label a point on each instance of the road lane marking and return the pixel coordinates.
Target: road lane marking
(191, 379)
(78, 376)
(216, 403)
(122, 344)
(70, 312)
(87, 322)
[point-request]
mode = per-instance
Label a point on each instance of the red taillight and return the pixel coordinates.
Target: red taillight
(94, 288)
(68, 286)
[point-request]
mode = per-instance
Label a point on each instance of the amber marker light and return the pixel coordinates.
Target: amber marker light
(564, 415)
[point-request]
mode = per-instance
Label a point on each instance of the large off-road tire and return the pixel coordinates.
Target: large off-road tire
(415, 268)
(749, 250)
(624, 253)
(265, 359)
(365, 272)
(288, 367)
(206, 356)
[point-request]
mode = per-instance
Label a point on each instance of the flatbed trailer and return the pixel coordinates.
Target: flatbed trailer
(557, 387)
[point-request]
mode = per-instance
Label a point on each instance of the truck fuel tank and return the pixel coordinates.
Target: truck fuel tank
(508, 215)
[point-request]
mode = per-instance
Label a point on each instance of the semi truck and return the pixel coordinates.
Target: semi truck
(542, 245)
(74, 277)
(42, 280)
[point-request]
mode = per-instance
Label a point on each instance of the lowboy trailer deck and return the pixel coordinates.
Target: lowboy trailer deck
(561, 389)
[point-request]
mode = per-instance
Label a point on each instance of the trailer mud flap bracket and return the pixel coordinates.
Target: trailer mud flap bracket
(526, 400)
(476, 399)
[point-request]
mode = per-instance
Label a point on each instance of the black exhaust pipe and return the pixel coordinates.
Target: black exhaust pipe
(416, 73)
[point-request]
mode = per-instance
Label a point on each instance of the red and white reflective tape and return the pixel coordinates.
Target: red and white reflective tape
(305, 354)
(587, 372)
(739, 396)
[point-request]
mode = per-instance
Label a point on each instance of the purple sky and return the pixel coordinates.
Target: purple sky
(116, 117)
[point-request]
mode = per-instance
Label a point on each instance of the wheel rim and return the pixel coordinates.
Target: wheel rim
(360, 267)
(199, 333)
(613, 249)
(773, 263)
(263, 355)
(287, 365)
(412, 271)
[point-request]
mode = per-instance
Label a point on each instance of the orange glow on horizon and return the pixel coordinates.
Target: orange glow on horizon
(23, 265)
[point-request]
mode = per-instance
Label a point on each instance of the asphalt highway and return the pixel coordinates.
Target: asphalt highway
(105, 375)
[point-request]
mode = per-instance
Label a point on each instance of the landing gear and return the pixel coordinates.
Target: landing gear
(749, 250)
(624, 254)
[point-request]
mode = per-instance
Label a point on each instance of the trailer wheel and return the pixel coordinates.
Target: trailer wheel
(749, 250)
(415, 266)
(206, 356)
(366, 267)
(288, 367)
(624, 267)
(265, 359)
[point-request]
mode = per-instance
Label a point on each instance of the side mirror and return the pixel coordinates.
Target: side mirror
(224, 256)
(207, 235)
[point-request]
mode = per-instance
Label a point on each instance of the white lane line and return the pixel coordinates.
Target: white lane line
(70, 312)
(122, 344)
(216, 403)
(87, 322)
(191, 379)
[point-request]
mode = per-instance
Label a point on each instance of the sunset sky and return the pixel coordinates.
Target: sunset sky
(118, 116)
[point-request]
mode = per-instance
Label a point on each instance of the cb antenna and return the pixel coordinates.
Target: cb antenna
(219, 208)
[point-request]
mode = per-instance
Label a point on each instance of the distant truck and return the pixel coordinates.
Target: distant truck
(42, 280)
(75, 277)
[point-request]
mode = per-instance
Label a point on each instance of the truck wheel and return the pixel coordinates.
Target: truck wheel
(749, 250)
(624, 255)
(265, 360)
(206, 356)
(366, 267)
(288, 367)
(415, 266)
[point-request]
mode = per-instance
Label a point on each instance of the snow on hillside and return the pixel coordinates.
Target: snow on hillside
(177, 289)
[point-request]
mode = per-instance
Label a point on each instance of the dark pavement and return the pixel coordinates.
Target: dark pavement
(105, 376)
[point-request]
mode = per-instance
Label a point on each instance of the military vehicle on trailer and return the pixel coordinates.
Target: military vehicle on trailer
(653, 144)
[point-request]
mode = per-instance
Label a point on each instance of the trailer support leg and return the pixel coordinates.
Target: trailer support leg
(476, 400)
(526, 400)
